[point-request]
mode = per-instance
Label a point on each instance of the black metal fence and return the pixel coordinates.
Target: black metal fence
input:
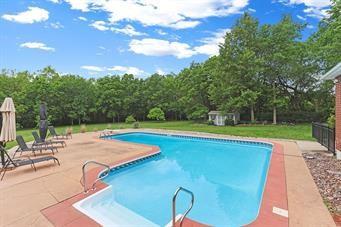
(324, 135)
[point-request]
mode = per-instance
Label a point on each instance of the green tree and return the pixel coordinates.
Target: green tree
(156, 114)
(237, 85)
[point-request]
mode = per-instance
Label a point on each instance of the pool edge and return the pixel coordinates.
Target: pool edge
(271, 198)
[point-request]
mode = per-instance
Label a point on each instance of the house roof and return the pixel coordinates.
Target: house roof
(218, 112)
(333, 73)
(214, 112)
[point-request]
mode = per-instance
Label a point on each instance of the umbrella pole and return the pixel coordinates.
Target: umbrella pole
(2, 152)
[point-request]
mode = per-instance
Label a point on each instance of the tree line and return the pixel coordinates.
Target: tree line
(262, 71)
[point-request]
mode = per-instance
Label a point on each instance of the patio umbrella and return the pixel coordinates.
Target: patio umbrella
(8, 130)
(43, 121)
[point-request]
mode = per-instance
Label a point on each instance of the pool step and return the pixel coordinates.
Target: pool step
(110, 213)
(114, 214)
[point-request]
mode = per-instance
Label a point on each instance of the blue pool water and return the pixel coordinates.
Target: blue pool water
(226, 177)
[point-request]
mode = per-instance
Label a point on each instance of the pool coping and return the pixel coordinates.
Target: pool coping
(274, 193)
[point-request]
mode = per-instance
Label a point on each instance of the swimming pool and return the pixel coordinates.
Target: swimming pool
(227, 178)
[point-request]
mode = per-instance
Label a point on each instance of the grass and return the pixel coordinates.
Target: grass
(297, 132)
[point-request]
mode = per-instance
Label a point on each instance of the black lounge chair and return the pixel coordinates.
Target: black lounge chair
(57, 136)
(24, 148)
(39, 142)
(23, 162)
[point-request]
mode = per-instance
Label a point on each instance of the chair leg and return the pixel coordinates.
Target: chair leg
(4, 170)
(34, 166)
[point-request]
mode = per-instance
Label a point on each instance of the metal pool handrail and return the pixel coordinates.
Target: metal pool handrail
(174, 205)
(101, 177)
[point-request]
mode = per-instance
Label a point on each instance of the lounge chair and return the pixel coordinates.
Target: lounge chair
(23, 162)
(57, 136)
(24, 148)
(39, 142)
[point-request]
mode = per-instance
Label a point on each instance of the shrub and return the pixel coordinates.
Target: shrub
(136, 124)
(130, 119)
(229, 122)
(210, 122)
(83, 128)
(156, 114)
(331, 121)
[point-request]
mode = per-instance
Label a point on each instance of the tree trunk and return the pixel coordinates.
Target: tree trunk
(252, 114)
(113, 119)
(79, 121)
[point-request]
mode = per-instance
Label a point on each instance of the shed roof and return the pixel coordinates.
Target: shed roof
(219, 112)
(333, 73)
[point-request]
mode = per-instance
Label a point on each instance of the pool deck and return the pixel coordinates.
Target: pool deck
(38, 198)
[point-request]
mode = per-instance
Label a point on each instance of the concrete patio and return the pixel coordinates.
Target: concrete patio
(24, 193)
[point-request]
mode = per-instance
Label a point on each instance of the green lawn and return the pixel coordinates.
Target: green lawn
(297, 132)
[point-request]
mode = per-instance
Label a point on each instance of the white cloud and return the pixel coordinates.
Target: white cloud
(37, 45)
(314, 8)
(160, 32)
(184, 24)
(82, 18)
(128, 30)
(117, 68)
(211, 44)
(80, 4)
(127, 69)
(311, 3)
(56, 25)
(32, 15)
(301, 18)
(160, 72)
(100, 25)
(316, 13)
(55, 1)
(310, 26)
(93, 68)
(178, 14)
(251, 10)
(159, 47)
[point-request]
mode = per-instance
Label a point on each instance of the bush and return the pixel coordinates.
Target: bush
(130, 119)
(136, 124)
(229, 122)
(331, 121)
(156, 114)
(210, 122)
(83, 129)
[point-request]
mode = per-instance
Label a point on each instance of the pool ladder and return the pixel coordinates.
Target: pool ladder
(86, 190)
(174, 205)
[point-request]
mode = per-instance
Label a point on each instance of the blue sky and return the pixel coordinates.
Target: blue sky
(94, 38)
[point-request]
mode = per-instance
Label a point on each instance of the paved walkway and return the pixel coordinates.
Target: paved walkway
(23, 192)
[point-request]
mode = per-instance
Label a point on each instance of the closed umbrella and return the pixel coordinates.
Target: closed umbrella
(8, 130)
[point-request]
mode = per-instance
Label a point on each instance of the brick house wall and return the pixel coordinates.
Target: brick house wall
(338, 113)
